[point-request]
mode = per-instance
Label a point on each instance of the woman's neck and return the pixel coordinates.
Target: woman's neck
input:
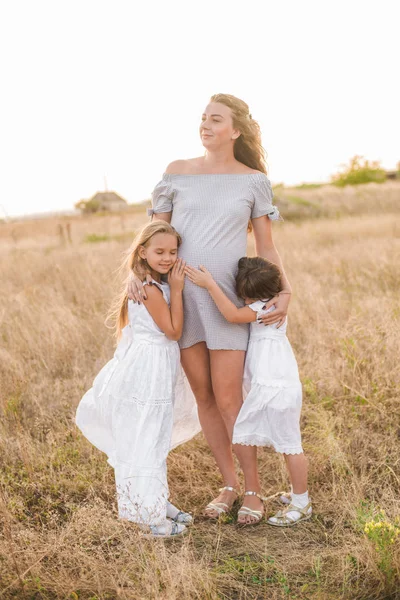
(219, 159)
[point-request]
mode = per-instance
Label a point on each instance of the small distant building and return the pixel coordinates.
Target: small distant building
(109, 201)
(392, 174)
(102, 201)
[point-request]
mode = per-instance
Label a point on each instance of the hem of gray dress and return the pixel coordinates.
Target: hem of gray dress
(209, 347)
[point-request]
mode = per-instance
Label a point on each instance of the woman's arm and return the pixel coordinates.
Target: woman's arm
(265, 247)
(232, 313)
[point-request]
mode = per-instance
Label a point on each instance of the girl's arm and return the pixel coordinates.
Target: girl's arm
(262, 229)
(232, 313)
(168, 319)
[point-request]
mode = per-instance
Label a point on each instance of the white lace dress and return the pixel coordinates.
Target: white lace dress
(270, 414)
(140, 407)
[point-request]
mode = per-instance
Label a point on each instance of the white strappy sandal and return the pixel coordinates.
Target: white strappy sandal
(179, 515)
(170, 530)
(256, 515)
(283, 520)
(220, 507)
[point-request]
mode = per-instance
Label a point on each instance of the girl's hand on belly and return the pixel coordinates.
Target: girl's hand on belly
(200, 277)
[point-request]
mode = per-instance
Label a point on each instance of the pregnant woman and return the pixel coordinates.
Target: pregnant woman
(210, 201)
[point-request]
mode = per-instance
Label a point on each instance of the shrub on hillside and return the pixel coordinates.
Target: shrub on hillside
(359, 170)
(88, 206)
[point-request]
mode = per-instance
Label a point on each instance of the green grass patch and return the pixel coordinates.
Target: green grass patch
(94, 238)
(299, 201)
(309, 186)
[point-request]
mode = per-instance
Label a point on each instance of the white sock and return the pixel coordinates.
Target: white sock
(300, 500)
(172, 511)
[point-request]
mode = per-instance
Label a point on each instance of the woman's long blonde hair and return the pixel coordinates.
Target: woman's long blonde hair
(248, 148)
(134, 263)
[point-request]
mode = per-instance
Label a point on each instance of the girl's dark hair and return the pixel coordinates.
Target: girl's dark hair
(257, 278)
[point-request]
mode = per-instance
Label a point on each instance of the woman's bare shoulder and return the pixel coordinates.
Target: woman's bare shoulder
(244, 169)
(184, 166)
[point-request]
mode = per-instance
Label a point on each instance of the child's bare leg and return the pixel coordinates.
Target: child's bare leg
(298, 471)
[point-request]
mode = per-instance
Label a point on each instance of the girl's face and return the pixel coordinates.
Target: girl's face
(216, 128)
(161, 252)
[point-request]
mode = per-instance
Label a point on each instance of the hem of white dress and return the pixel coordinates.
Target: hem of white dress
(211, 348)
(261, 441)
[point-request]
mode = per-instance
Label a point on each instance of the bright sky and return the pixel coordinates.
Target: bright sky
(116, 88)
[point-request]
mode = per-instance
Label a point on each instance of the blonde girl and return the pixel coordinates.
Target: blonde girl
(139, 406)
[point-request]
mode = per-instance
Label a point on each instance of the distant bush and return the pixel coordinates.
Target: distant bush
(88, 206)
(308, 186)
(359, 171)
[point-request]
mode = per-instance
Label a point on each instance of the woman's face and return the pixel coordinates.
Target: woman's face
(216, 128)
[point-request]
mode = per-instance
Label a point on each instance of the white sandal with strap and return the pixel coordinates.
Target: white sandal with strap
(285, 497)
(220, 507)
(178, 516)
(169, 530)
(283, 520)
(256, 515)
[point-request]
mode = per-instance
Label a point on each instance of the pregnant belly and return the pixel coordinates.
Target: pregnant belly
(223, 268)
(221, 264)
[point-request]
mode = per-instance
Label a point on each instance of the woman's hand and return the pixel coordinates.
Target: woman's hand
(136, 291)
(176, 276)
(281, 302)
(200, 277)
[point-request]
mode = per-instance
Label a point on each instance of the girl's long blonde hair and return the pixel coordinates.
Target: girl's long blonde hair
(248, 148)
(134, 263)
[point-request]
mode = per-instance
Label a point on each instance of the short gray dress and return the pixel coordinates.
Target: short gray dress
(211, 213)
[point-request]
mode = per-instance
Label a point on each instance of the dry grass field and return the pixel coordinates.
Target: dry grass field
(60, 538)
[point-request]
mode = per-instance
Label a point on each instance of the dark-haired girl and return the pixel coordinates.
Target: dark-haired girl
(270, 413)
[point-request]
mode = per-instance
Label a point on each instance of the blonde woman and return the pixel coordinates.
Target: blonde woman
(210, 201)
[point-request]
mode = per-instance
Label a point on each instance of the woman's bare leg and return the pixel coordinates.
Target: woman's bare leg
(227, 378)
(196, 364)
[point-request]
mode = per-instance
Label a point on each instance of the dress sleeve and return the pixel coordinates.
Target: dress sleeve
(161, 197)
(258, 307)
(262, 199)
(156, 284)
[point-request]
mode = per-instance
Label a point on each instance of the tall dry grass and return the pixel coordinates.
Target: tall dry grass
(60, 536)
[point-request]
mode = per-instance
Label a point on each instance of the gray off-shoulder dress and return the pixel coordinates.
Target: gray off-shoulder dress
(211, 213)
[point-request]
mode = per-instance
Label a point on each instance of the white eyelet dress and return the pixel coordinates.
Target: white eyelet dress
(211, 213)
(270, 413)
(140, 406)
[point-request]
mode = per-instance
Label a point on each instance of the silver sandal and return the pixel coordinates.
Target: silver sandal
(285, 497)
(181, 516)
(257, 515)
(284, 521)
(176, 530)
(220, 507)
